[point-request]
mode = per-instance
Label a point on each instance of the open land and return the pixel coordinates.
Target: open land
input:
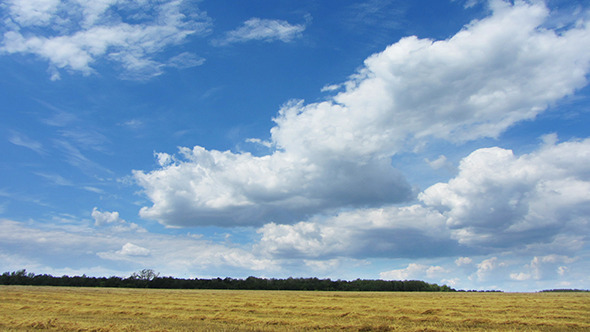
(26, 308)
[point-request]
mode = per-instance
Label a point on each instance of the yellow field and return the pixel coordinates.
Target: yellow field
(25, 308)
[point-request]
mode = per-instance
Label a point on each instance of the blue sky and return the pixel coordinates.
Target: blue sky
(445, 141)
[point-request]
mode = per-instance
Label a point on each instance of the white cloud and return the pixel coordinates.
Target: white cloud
(114, 221)
(487, 267)
(185, 60)
(438, 163)
(73, 156)
(130, 249)
(93, 189)
(325, 265)
(336, 154)
(224, 188)
(264, 30)
(463, 261)
(520, 276)
(492, 74)
(331, 87)
(533, 204)
(55, 179)
(547, 267)
(33, 12)
(386, 232)
(502, 200)
(259, 141)
(105, 218)
(86, 249)
(414, 271)
(79, 33)
(26, 142)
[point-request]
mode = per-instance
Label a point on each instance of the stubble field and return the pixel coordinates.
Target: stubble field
(26, 308)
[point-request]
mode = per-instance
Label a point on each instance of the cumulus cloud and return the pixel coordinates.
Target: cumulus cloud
(77, 34)
(531, 204)
(225, 188)
(499, 199)
(104, 218)
(113, 220)
(130, 249)
(336, 154)
(411, 231)
(264, 30)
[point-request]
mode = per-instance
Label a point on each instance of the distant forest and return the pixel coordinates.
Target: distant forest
(149, 279)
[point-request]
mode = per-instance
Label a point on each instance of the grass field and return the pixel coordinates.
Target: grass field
(26, 308)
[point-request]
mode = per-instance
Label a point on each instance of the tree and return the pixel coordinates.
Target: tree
(145, 275)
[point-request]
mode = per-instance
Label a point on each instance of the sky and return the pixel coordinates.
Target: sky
(437, 140)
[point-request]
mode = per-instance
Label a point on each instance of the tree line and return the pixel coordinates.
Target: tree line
(147, 278)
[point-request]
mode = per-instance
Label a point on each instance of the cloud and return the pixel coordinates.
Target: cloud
(35, 12)
(438, 163)
(502, 200)
(76, 158)
(76, 247)
(26, 142)
(536, 203)
(77, 35)
(185, 60)
(411, 231)
(105, 218)
(55, 179)
(85, 137)
(463, 261)
(470, 3)
(336, 154)
(414, 271)
(548, 267)
(263, 30)
(93, 189)
(224, 188)
(130, 249)
(330, 87)
(487, 267)
(113, 221)
(520, 276)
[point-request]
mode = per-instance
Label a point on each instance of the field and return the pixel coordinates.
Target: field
(26, 308)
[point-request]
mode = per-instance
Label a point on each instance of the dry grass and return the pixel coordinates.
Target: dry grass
(25, 308)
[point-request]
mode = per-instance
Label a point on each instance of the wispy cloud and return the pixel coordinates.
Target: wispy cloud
(55, 179)
(264, 30)
(89, 139)
(76, 158)
(20, 139)
(77, 34)
(185, 60)
(93, 189)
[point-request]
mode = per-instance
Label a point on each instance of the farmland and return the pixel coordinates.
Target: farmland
(25, 308)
